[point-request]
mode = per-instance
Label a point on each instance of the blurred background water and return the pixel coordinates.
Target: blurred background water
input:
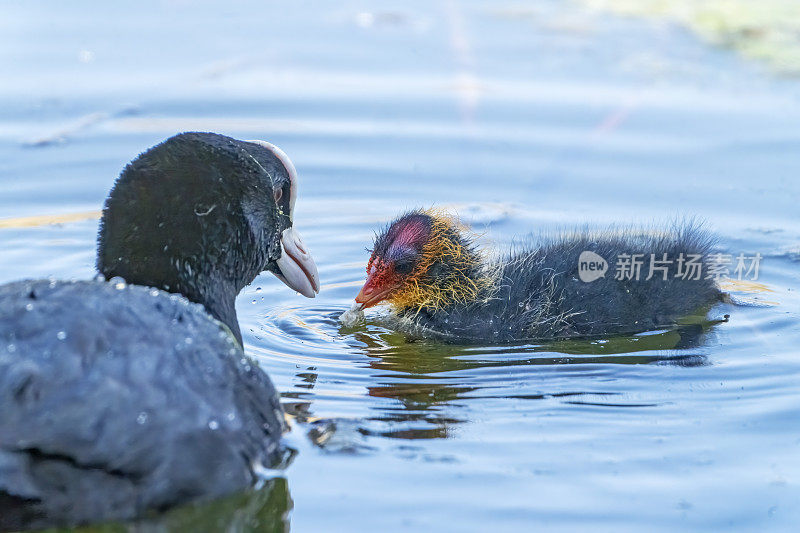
(520, 118)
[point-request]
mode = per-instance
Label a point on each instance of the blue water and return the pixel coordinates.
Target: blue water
(518, 119)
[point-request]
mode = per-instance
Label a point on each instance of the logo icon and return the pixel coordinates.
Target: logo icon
(591, 266)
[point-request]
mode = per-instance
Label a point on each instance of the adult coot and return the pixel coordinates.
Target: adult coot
(440, 285)
(133, 393)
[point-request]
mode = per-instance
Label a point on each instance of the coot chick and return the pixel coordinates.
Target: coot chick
(427, 267)
(134, 393)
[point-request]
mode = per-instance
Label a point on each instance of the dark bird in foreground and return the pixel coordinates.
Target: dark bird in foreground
(132, 393)
(425, 265)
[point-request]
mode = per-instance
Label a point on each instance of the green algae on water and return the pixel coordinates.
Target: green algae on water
(765, 30)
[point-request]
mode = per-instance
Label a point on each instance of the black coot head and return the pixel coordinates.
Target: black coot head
(202, 214)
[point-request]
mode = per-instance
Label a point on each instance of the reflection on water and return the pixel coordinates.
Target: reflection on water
(265, 509)
(427, 379)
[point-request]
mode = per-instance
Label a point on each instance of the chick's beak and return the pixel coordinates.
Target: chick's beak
(296, 266)
(374, 291)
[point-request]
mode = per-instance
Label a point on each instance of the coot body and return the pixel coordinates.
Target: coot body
(105, 411)
(425, 265)
(133, 393)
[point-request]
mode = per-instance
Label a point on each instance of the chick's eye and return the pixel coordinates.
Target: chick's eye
(404, 266)
(277, 194)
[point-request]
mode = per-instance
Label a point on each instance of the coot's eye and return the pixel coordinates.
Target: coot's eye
(404, 266)
(278, 194)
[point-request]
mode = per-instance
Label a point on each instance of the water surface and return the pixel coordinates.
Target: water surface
(518, 123)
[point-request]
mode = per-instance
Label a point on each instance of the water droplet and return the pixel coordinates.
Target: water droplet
(231, 416)
(258, 289)
(11, 348)
(29, 307)
(213, 425)
(119, 285)
(154, 292)
(142, 418)
(232, 351)
(61, 335)
(253, 302)
(188, 340)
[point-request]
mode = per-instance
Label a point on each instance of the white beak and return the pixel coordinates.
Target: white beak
(297, 267)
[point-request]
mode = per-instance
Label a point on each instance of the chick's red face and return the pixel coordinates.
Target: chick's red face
(395, 258)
